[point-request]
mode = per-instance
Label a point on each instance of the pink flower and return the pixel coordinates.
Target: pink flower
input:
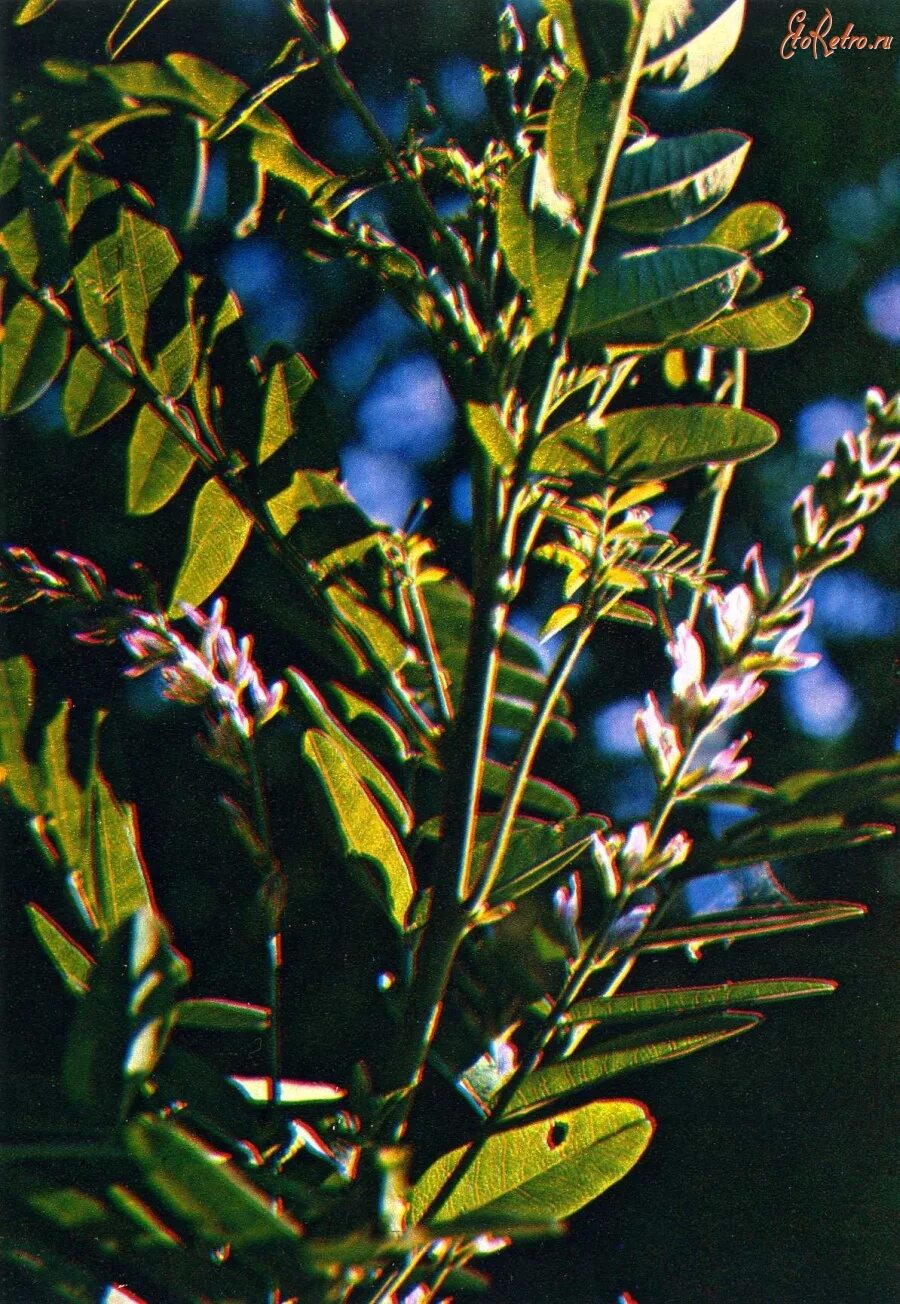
(659, 741)
(734, 612)
(686, 653)
(733, 692)
(725, 765)
(634, 852)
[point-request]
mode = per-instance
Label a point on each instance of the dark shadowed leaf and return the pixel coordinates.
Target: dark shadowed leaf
(590, 1067)
(360, 824)
(770, 838)
(158, 464)
(537, 237)
(689, 42)
(655, 443)
(33, 230)
(753, 922)
(213, 1014)
(650, 296)
(577, 129)
(72, 961)
(16, 706)
(660, 184)
(93, 393)
(32, 353)
(218, 534)
(694, 1000)
(545, 1170)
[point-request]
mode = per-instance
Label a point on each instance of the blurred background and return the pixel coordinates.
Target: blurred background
(773, 1175)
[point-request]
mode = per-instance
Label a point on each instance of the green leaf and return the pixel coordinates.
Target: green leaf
(768, 838)
(158, 464)
(360, 823)
(132, 21)
(752, 229)
(62, 800)
(16, 707)
(693, 1000)
(510, 886)
(771, 324)
(589, 1068)
(661, 184)
(595, 34)
(324, 522)
(117, 879)
(285, 160)
(93, 393)
(288, 381)
(491, 433)
(123, 1020)
(93, 206)
(518, 713)
(547, 1169)
(689, 42)
(537, 237)
(376, 779)
(155, 304)
(33, 231)
(655, 443)
(372, 722)
(213, 1014)
(578, 129)
(216, 1201)
(646, 298)
(541, 796)
(28, 10)
(218, 533)
(817, 792)
(72, 961)
(32, 353)
(381, 641)
(750, 922)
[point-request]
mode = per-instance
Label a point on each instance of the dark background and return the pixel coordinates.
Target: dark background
(773, 1172)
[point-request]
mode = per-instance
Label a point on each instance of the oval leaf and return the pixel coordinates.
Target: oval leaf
(577, 130)
(491, 433)
(218, 534)
(648, 297)
(158, 464)
(93, 204)
(93, 393)
(753, 229)
(213, 1014)
(32, 354)
(661, 184)
(35, 236)
(155, 303)
(689, 42)
(547, 1169)
(772, 324)
(536, 236)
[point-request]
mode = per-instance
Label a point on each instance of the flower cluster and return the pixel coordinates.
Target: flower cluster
(219, 674)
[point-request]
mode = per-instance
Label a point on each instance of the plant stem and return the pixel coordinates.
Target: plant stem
(723, 478)
(429, 648)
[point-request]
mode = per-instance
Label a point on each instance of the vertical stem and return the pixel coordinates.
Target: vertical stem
(273, 896)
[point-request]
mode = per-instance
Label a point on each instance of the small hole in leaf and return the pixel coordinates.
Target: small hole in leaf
(557, 1134)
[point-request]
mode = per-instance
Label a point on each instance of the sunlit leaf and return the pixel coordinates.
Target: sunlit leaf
(219, 1204)
(288, 381)
(117, 879)
(753, 922)
(218, 534)
(290, 1092)
(771, 324)
(360, 824)
(590, 1067)
(132, 21)
(655, 443)
(62, 800)
(72, 961)
(155, 303)
(93, 208)
(577, 129)
(660, 184)
(489, 430)
(33, 231)
(93, 393)
(158, 464)
(536, 236)
(16, 706)
(28, 10)
(379, 638)
(753, 229)
(32, 353)
(550, 1168)
(376, 779)
(650, 296)
(213, 1014)
(770, 838)
(694, 1000)
(690, 41)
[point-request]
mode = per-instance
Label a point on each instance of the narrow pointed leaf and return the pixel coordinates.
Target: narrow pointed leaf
(489, 430)
(158, 464)
(690, 42)
(750, 923)
(765, 839)
(218, 533)
(547, 1086)
(32, 353)
(62, 800)
(518, 713)
(577, 130)
(694, 1000)
(28, 10)
(33, 230)
(16, 706)
(648, 297)
(72, 961)
(510, 888)
(213, 1014)
(120, 884)
(376, 779)
(655, 443)
(548, 1169)
(661, 184)
(287, 383)
(219, 1204)
(93, 393)
(360, 824)
(772, 324)
(156, 307)
(541, 796)
(536, 236)
(380, 640)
